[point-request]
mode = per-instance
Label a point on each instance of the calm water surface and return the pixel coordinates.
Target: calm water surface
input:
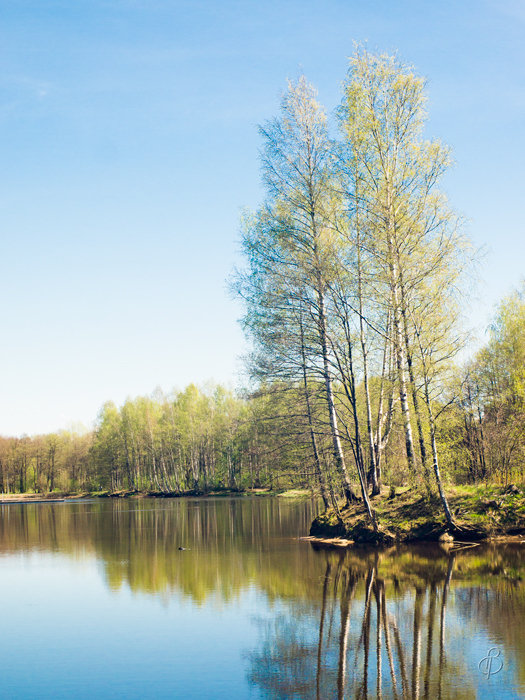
(97, 601)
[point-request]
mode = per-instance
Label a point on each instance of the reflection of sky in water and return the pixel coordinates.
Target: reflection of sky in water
(97, 601)
(474, 645)
(65, 634)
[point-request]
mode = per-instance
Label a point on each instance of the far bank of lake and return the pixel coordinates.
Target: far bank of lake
(404, 514)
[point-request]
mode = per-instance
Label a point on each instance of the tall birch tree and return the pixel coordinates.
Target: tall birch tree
(394, 173)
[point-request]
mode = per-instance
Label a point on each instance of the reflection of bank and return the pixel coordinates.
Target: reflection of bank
(234, 542)
(384, 629)
(338, 622)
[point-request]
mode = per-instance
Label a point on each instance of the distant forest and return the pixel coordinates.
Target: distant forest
(355, 280)
(202, 440)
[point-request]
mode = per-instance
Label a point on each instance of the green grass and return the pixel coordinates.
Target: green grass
(479, 512)
(294, 493)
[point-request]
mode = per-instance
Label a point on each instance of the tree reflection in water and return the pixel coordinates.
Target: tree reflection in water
(391, 639)
(398, 623)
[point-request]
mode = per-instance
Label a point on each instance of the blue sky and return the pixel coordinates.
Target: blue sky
(128, 134)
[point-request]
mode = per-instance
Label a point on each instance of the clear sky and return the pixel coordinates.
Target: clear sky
(129, 145)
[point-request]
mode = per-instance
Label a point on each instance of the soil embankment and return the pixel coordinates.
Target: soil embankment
(408, 516)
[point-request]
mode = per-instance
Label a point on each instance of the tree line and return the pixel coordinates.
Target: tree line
(191, 440)
(202, 439)
(354, 281)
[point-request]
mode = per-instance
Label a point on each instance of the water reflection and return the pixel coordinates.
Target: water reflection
(409, 622)
(231, 542)
(386, 629)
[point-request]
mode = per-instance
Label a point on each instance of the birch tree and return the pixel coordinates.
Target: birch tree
(294, 240)
(392, 179)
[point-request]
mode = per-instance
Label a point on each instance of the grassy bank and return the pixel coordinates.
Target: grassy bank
(479, 512)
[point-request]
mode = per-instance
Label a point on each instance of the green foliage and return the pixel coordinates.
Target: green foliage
(193, 440)
(493, 397)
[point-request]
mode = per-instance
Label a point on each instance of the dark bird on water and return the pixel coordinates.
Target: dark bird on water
(183, 549)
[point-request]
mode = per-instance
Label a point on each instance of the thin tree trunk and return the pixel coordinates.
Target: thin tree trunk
(358, 451)
(415, 398)
(482, 443)
(376, 486)
(317, 461)
(398, 333)
(403, 397)
(435, 461)
(380, 414)
(334, 429)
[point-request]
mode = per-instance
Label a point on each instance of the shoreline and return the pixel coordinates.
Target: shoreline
(63, 497)
(483, 513)
(341, 543)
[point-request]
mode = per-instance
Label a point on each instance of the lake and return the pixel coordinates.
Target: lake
(97, 601)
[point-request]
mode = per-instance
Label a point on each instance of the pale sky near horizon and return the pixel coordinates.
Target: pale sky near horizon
(128, 133)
